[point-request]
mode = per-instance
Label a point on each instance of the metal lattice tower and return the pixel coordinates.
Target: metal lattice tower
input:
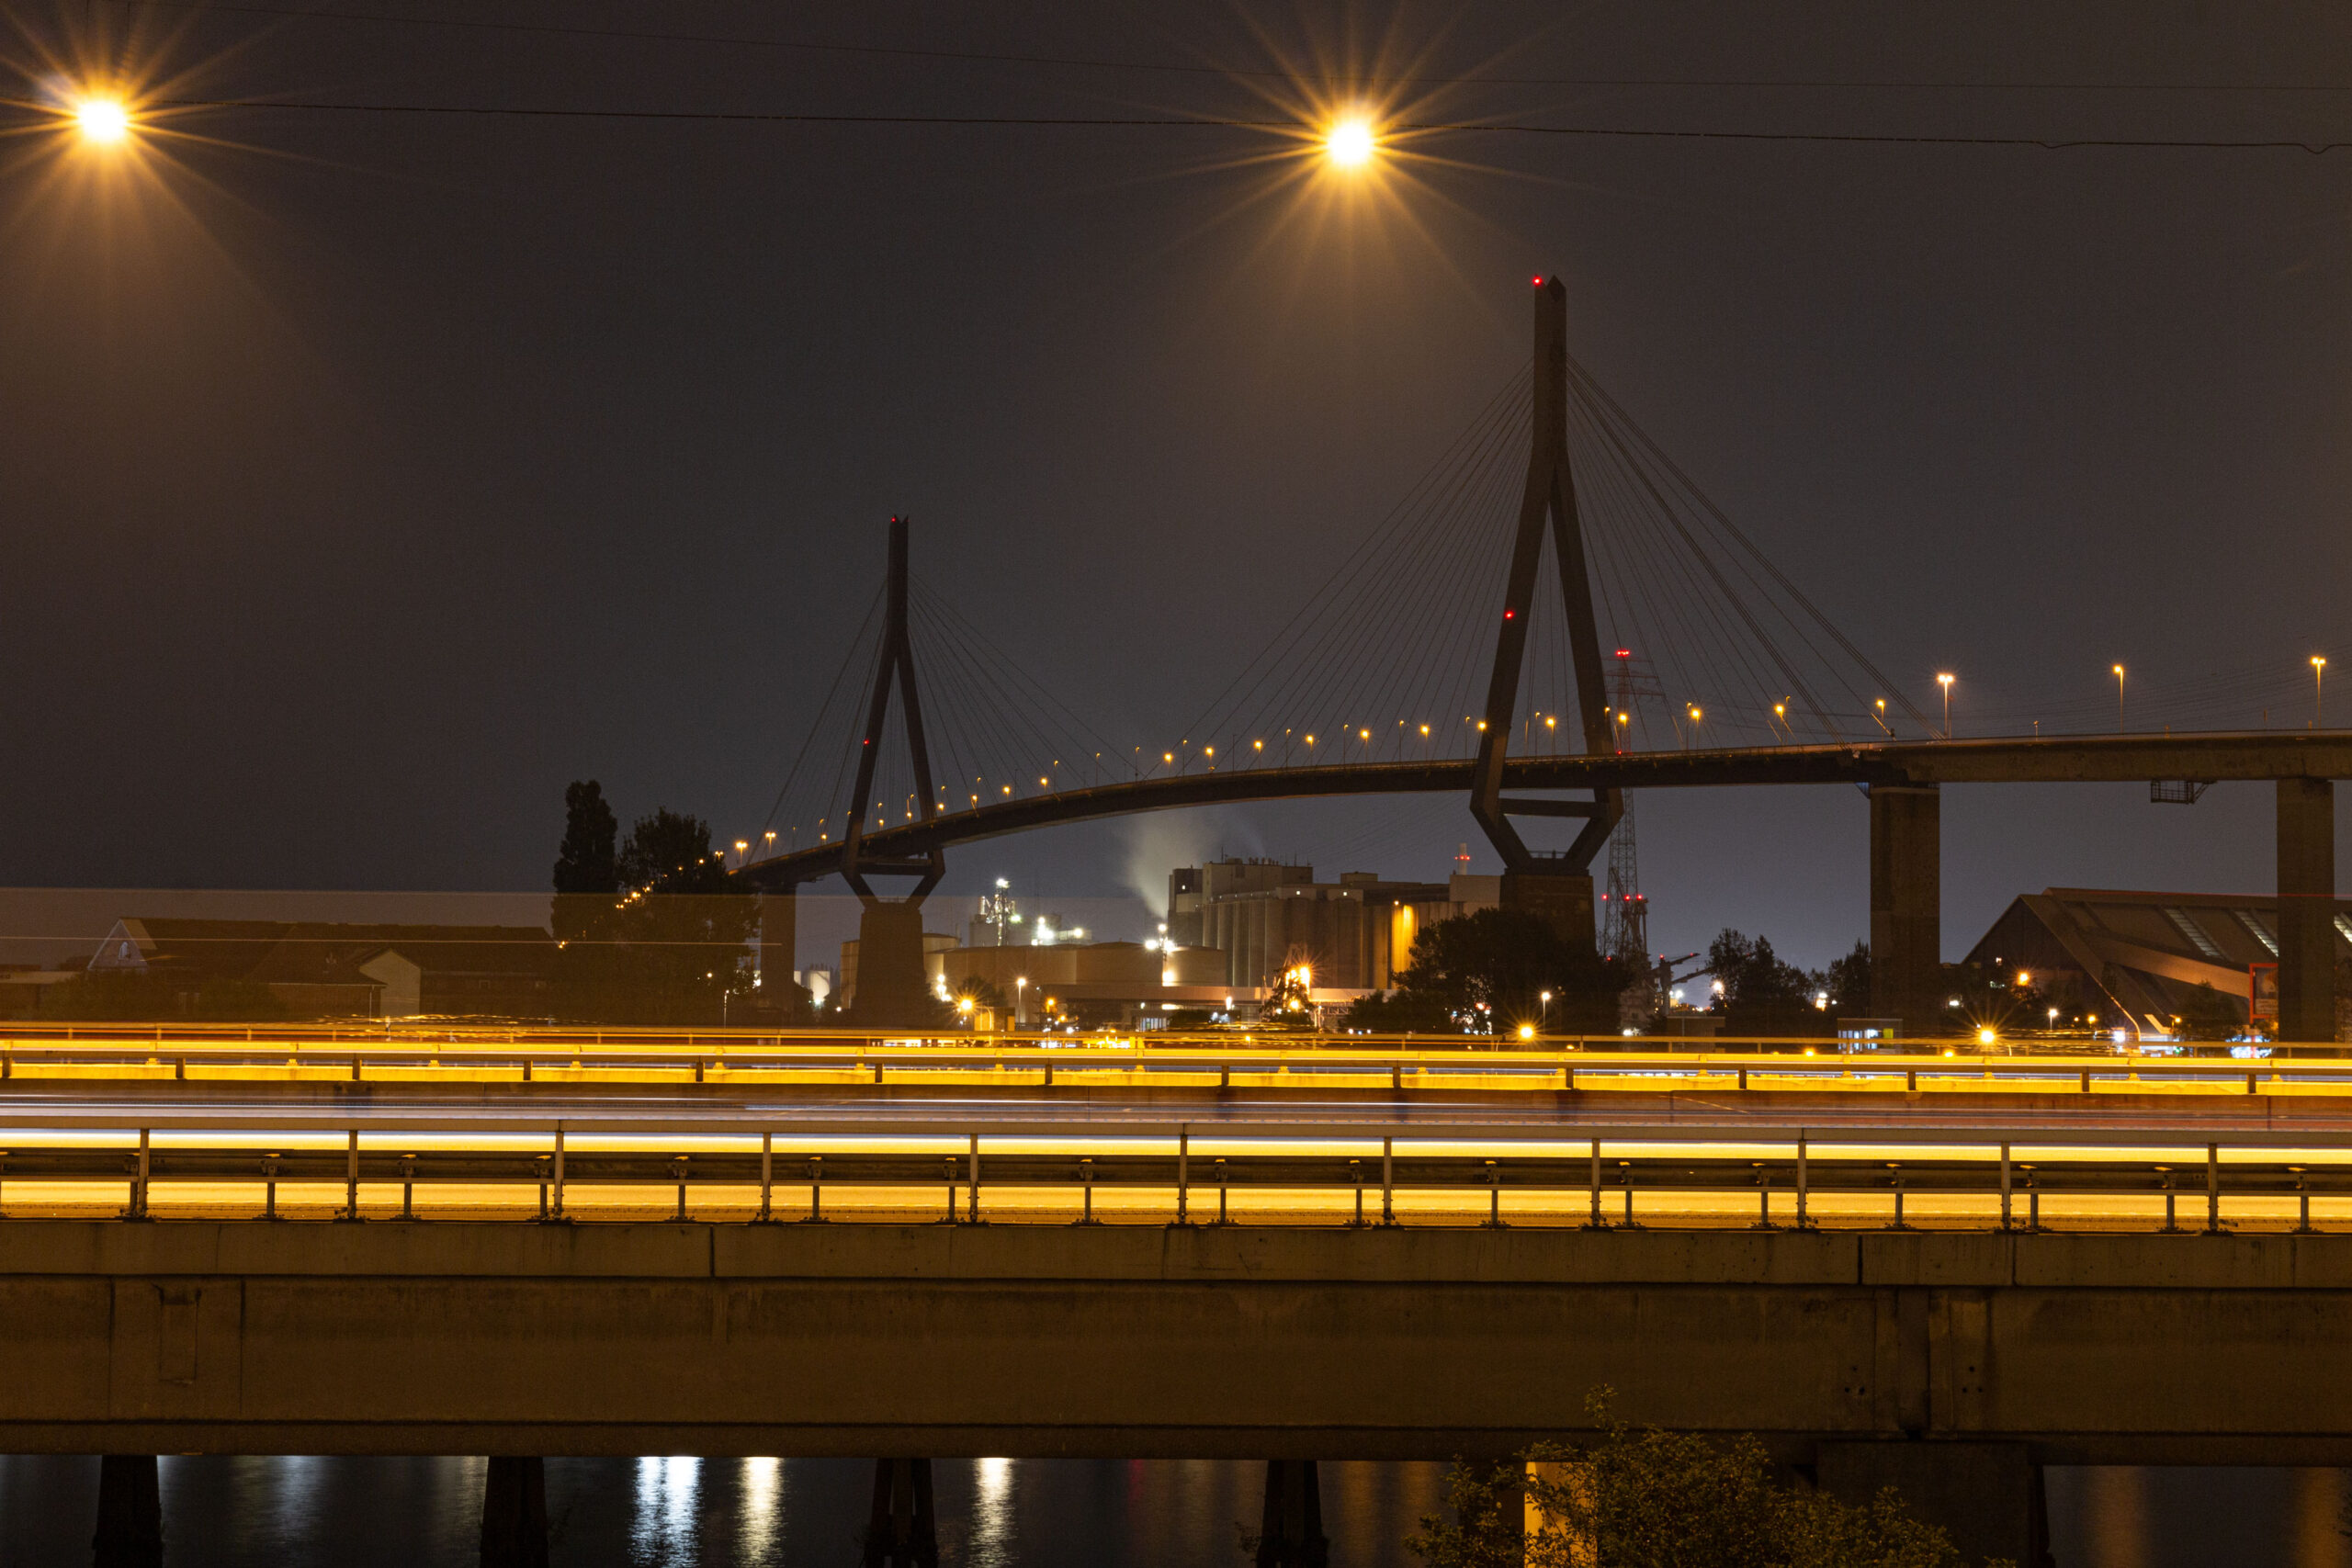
(1624, 914)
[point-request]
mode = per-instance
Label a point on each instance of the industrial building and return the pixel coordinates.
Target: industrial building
(1264, 916)
(2138, 959)
(316, 969)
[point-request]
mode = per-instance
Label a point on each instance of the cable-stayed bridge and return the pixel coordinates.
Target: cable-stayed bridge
(1555, 615)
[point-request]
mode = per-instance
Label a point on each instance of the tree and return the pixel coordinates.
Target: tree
(2206, 1014)
(1494, 965)
(1289, 1003)
(128, 993)
(2004, 1000)
(1656, 1499)
(652, 932)
(1762, 995)
(1849, 982)
(585, 863)
(587, 878)
(685, 930)
(981, 992)
(1399, 1012)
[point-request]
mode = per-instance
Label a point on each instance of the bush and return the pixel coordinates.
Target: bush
(1655, 1499)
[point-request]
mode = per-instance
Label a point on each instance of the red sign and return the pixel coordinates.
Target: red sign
(2262, 991)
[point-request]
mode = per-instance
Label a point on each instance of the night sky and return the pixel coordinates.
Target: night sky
(366, 477)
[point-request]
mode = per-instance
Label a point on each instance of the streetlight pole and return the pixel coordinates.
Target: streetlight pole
(1945, 682)
(2319, 692)
(2118, 699)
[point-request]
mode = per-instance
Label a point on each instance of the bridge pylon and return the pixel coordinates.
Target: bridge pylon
(1556, 885)
(892, 988)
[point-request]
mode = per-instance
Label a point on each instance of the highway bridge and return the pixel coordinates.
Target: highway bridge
(1375, 689)
(1944, 1269)
(1939, 1270)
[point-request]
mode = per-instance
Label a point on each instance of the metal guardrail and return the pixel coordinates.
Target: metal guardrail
(1558, 1065)
(1594, 1174)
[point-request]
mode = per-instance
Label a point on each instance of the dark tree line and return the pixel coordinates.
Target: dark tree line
(1765, 995)
(1487, 972)
(651, 929)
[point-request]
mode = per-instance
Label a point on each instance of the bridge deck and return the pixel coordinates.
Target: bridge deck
(1183, 1341)
(2254, 754)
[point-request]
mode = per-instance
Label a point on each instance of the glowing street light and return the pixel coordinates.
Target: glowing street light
(2319, 692)
(1945, 682)
(1350, 142)
(2118, 699)
(102, 121)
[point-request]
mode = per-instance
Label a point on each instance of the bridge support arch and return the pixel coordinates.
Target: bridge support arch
(890, 991)
(1557, 887)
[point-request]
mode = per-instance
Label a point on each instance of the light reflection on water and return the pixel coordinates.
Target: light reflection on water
(758, 1521)
(225, 1512)
(991, 1539)
(668, 1519)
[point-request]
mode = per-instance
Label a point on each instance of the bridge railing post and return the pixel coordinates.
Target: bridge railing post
(1388, 1182)
(2212, 1190)
(1803, 1185)
(137, 1208)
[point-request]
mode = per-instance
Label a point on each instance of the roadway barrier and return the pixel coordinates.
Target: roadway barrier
(1603, 1062)
(745, 1169)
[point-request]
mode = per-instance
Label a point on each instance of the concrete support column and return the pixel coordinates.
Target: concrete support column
(1906, 906)
(1987, 1497)
(515, 1513)
(779, 943)
(1290, 1531)
(2306, 909)
(902, 1531)
(1563, 900)
(131, 1514)
(892, 990)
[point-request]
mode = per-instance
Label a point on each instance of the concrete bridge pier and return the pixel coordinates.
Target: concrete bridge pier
(892, 989)
(903, 1531)
(2306, 909)
(1906, 906)
(1987, 1497)
(779, 942)
(1290, 1534)
(515, 1513)
(1562, 899)
(131, 1514)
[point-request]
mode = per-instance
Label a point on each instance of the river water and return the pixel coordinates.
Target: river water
(668, 1513)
